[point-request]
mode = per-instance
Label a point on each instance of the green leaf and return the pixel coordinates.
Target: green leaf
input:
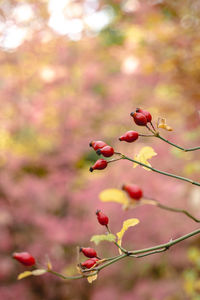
(103, 237)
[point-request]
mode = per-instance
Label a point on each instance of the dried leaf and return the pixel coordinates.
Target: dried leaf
(162, 124)
(49, 264)
(92, 278)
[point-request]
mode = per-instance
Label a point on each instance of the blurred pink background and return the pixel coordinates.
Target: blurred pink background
(71, 72)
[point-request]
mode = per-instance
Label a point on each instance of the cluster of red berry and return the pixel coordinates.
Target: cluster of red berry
(28, 260)
(90, 252)
(141, 117)
(101, 148)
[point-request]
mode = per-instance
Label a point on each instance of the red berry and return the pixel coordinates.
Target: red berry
(102, 219)
(89, 263)
(25, 258)
(133, 190)
(145, 113)
(100, 164)
(139, 119)
(106, 151)
(95, 259)
(97, 145)
(88, 252)
(129, 136)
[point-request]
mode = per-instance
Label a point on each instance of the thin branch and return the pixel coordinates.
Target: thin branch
(162, 172)
(112, 261)
(63, 276)
(121, 248)
(183, 211)
(152, 201)
(149, 253)
(174, 145)
(144, 252)
(166, 245)
(111, 258)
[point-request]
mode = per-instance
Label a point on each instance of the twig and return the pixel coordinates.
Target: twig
(63, 276)
(168, 245)
(149, 253)
(183, 211)
(121, 248)
(162, 172)
(174, 145)
(152, 201)
(144, 252)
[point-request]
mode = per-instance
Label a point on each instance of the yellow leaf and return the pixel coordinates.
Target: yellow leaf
(39, 272)
(126, 224)
(92, 278)
(162, 124)
(24, 275)
(143, 156)
(114, 195)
